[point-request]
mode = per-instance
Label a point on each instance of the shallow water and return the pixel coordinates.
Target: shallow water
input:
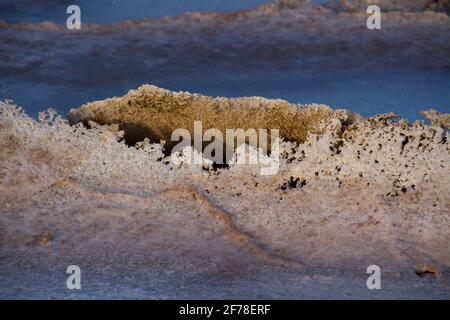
(111, 281)
(405, 91)
(44, 69)
(106, 11)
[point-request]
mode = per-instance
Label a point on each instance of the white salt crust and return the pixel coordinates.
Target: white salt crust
(355, 191)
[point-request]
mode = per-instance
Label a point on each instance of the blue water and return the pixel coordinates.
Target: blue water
(405, 91)
(104, 11)
(402, 91)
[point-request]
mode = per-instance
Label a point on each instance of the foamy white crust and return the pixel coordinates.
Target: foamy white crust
(376, 192)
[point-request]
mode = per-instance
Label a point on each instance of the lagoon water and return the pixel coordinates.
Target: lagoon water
(106, 11)
(402, 91)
